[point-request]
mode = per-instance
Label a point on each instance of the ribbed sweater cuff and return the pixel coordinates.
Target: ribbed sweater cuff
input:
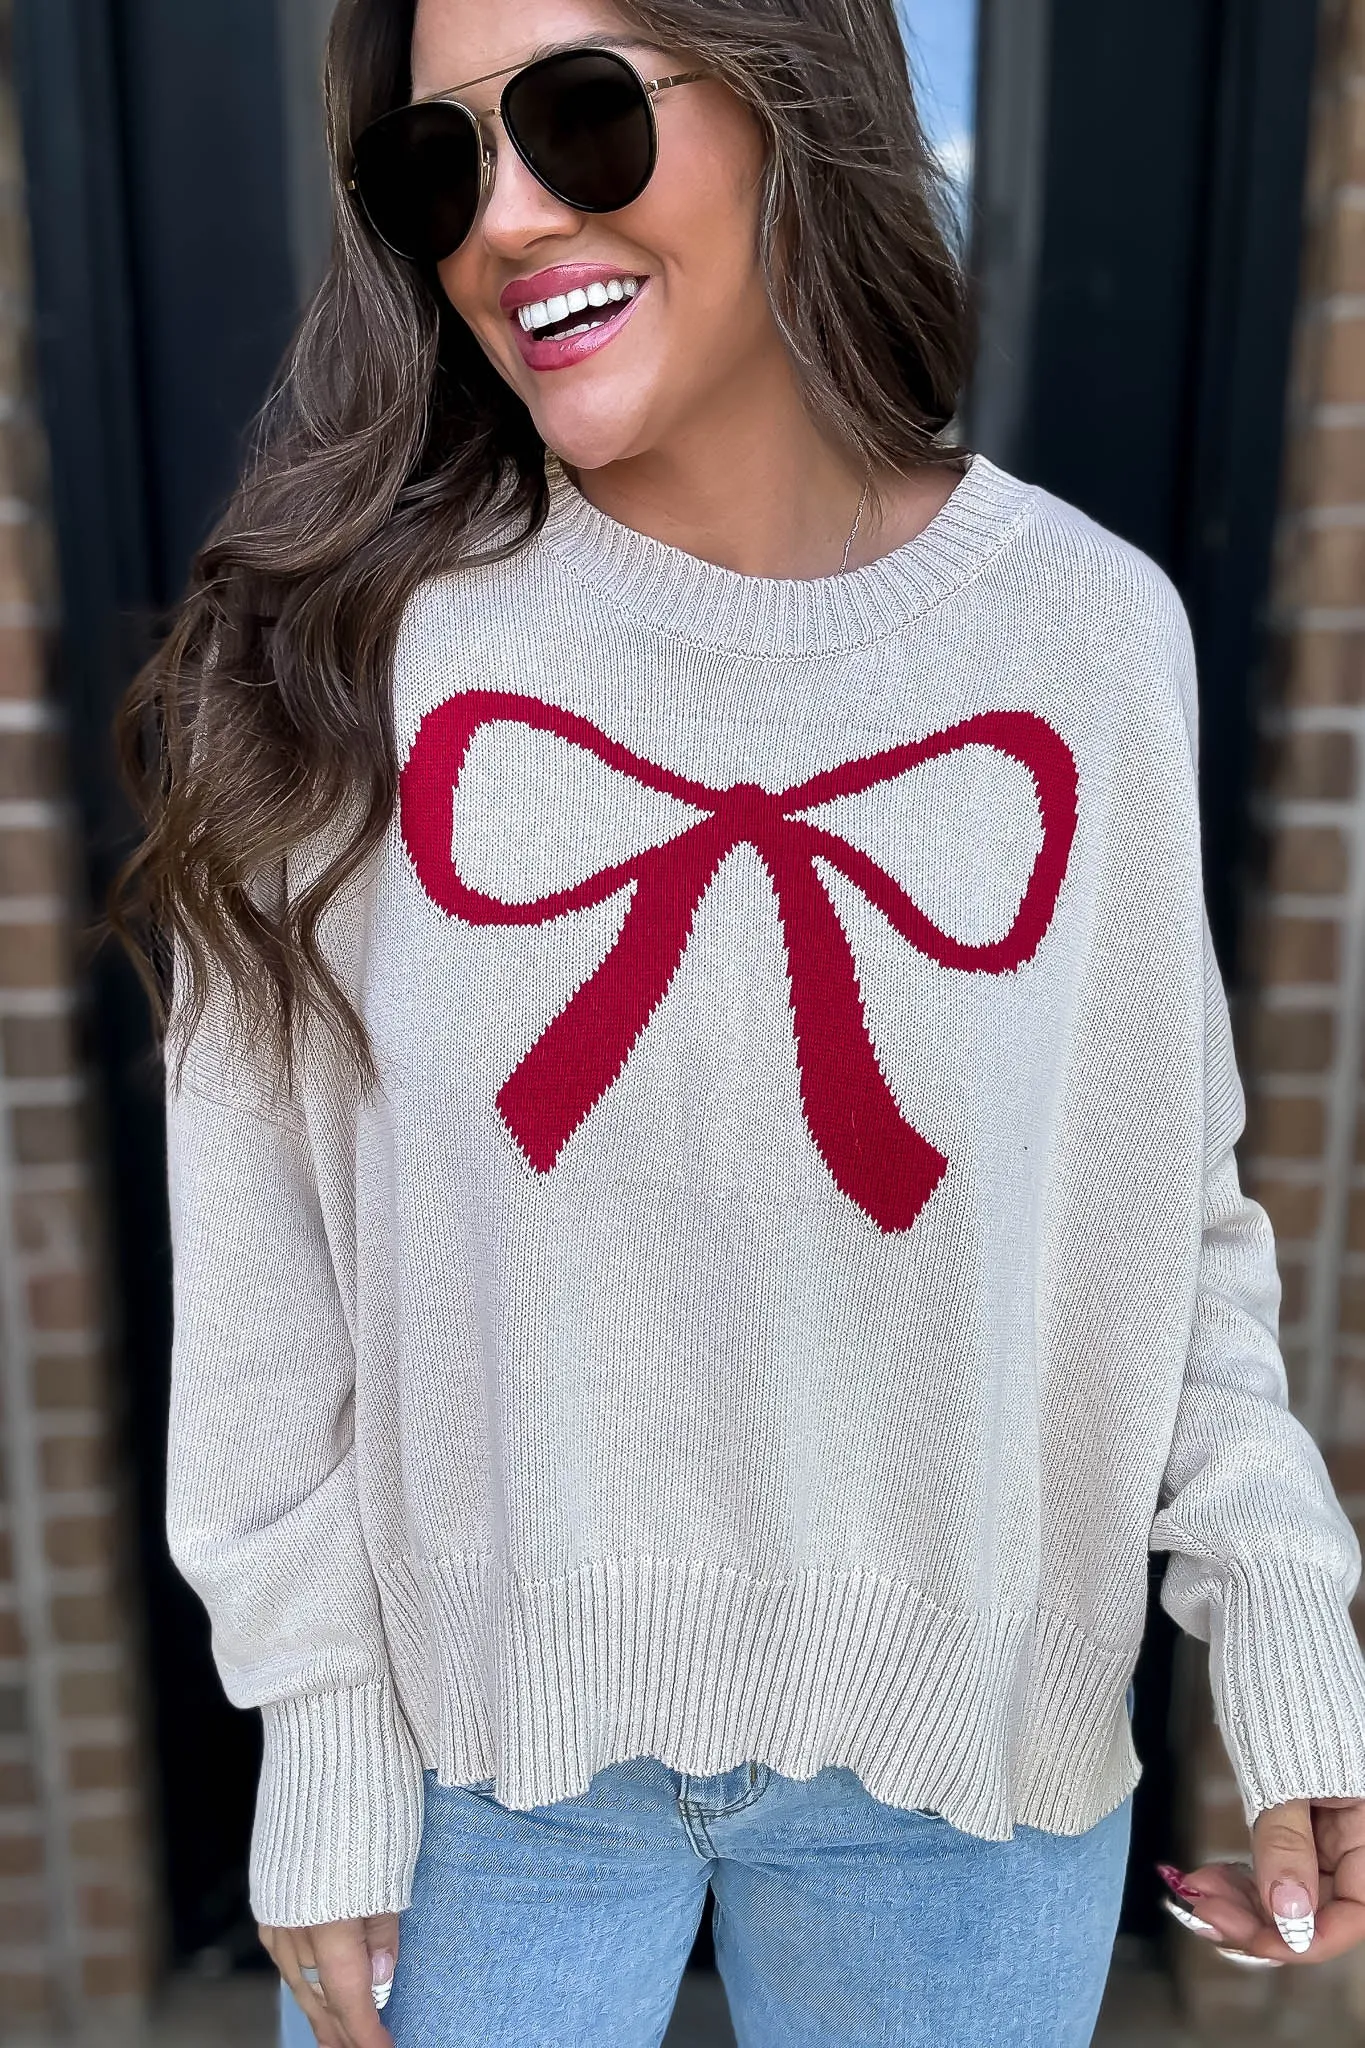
(1289, 1687)
(339, 1810)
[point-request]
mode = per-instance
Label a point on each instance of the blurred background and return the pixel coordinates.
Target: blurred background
(1165, 204)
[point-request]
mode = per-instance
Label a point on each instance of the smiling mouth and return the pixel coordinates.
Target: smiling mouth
(578, 311)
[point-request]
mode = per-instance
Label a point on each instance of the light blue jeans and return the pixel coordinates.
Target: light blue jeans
(840, 1922)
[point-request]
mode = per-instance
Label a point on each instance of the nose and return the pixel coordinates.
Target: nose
(519, 211)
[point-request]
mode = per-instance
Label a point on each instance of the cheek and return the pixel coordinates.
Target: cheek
(459, 281)
(711, 206)
(472, 292)
(713, 237)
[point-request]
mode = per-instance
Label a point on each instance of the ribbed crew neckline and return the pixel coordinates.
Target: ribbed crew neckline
(661, 585)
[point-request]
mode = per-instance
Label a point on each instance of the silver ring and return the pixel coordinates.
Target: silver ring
(309, 1974)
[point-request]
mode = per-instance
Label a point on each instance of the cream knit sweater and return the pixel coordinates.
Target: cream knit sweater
(794, 1265)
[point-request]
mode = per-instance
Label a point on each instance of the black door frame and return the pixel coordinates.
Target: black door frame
(1139, 218)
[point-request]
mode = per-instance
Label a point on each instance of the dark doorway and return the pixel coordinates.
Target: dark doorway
(1141, 172)
(165, 286)
(1140, 194)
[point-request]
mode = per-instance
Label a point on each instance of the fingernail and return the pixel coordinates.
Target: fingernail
(1187, 1919)
(1178, 1883)
(381, 1977)
(1293, 1910)
(1239, 1955)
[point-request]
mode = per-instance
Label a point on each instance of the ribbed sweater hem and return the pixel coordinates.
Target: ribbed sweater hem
(991, 1720)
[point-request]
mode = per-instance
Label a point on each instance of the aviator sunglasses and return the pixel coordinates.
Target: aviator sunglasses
(582, 122)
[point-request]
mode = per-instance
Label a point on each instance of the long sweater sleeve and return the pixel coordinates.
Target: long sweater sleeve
(264, 1515)
(1264, 1560)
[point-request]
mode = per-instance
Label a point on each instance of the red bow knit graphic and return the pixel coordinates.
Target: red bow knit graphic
(879, 1160)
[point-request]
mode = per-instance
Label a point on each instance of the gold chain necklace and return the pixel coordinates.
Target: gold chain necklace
(857, 522)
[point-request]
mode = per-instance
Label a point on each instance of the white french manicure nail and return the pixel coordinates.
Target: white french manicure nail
(1188, 1919)
(381, 1971)
(1293, 1911)
(1239, 1955)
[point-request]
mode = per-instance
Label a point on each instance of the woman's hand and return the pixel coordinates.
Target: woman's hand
(352, 1959)
(1302, 1899)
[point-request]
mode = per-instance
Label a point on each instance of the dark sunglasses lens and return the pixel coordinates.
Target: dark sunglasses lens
(417, 174)
(582, 124)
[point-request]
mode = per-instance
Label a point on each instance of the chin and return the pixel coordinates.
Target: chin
(594, 432)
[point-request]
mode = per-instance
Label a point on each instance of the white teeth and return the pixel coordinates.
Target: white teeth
(549, 312)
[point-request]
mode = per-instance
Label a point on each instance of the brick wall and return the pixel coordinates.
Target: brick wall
(76, 1928)
(1300, 1016)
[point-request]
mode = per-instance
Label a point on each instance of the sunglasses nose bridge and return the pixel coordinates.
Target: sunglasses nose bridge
(488, 153)
(524, 216)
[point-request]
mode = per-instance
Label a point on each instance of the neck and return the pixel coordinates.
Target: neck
(756, 488)
(753, 486)
(760, 510)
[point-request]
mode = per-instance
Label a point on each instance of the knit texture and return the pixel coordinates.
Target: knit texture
(793, 1265)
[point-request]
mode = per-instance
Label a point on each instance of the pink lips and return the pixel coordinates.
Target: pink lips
(552, 354)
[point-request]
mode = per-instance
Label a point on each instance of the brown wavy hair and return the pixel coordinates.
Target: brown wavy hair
(392, 451)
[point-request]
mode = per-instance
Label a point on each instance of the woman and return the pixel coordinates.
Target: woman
(707, 1238)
